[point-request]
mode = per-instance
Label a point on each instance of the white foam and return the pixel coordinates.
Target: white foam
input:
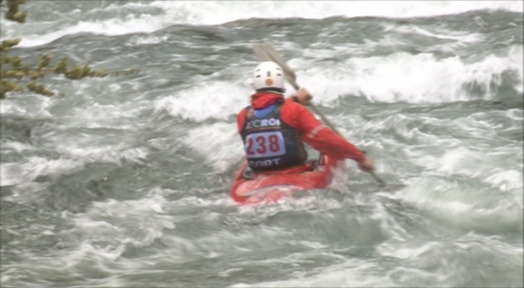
(440, 33)
(13, 146)
(420, 252)
(404, 77)
(121, 21)
(213, 100)
(462, 206)
(146, 40)
(136, 222)
(509, 180)
(26, 103)
(216, 12)
(17, 173)
(220, 143)
(398, 77)
(144, 17)
(75, 152)
(516, 55)
(352, 273)
(456, 161)
(86, 149)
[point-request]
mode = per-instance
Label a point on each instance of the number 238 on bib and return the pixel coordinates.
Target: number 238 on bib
(265, 144)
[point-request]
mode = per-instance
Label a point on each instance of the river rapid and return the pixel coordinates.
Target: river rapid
(123, 181)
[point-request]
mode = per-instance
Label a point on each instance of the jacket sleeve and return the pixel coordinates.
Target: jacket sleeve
(241, 119)
(333, 145)
(323, 139)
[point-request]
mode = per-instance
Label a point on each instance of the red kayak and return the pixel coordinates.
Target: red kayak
(274, 186)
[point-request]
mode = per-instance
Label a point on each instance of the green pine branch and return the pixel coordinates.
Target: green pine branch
(15, 73)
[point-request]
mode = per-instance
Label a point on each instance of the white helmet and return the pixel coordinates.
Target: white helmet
(268, 75)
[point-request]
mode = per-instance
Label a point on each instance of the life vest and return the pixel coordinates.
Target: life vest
(270, 143)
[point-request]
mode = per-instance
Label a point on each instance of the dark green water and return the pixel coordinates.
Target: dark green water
(123, 181)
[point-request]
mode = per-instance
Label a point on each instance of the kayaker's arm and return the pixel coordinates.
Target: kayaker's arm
(241, 119)
(324, 139)
(330, 143)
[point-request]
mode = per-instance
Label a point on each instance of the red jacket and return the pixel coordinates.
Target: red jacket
(314, 133)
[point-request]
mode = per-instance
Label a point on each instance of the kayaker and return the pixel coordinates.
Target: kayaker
(274, 129)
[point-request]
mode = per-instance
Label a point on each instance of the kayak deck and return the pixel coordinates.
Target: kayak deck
(276, 186)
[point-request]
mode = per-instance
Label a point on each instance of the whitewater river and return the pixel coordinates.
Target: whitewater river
(123, 181)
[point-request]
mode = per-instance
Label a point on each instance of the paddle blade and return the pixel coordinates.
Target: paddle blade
(266, 52)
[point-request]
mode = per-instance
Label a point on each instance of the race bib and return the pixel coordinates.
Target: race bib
(265, 144)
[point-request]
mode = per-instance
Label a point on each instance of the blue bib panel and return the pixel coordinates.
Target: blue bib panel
(271, 144)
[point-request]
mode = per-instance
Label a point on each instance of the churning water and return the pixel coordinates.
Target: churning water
(123, 181)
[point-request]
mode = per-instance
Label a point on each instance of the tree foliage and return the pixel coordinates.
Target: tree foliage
(15, 73)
